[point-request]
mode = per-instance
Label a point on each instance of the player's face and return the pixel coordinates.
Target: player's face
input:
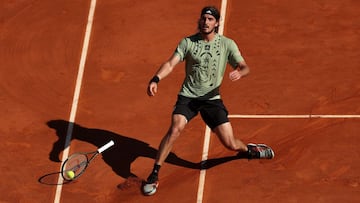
(207, 24)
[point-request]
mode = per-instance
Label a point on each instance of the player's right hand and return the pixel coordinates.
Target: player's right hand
(152, 89)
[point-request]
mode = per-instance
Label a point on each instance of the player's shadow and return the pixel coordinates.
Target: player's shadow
(120, 156)
(124, 152)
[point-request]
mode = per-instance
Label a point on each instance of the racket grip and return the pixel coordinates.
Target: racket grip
(106, 146)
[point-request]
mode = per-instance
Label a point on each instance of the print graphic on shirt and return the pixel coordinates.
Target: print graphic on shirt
(204, 69)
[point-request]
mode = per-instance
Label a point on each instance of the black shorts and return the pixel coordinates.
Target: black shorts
(213, 112)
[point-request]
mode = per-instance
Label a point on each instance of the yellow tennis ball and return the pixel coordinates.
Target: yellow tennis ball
(70, 174)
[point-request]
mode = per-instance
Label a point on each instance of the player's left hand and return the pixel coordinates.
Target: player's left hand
(235, 75)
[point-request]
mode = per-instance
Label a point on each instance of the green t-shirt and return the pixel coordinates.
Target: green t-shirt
(205, 64)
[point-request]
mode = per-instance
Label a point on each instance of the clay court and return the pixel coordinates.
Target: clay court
(302, 98)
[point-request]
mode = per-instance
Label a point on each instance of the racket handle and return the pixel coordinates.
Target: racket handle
(105, 147)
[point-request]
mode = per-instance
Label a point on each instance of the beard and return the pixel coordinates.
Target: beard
(205, 30)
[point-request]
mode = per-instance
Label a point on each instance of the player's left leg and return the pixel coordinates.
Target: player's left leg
(251, 151)
(225, 133)
(215, 115)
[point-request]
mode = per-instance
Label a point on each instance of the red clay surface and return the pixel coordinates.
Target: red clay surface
(304, 59)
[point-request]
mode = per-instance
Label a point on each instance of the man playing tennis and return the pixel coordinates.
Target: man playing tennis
(206, 54)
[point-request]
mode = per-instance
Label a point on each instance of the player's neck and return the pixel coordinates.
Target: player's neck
(208, 36)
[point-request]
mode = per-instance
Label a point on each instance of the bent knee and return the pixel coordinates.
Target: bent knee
(174, 132)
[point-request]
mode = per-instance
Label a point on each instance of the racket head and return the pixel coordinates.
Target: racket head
(74, 166)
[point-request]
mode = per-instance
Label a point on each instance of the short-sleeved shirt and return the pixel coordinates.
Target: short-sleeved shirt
(205, 64)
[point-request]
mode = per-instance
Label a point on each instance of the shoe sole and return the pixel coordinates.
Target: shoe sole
(150, 188)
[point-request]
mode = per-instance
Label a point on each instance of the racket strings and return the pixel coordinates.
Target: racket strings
(77, 164)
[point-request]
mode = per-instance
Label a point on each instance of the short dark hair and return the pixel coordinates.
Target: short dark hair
(211, 10)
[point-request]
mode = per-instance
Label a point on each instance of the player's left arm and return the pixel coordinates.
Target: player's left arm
(241, 69)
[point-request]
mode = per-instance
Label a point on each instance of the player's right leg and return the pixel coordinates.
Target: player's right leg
(177, 125)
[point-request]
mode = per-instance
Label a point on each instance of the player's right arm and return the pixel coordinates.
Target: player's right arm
(164, 70)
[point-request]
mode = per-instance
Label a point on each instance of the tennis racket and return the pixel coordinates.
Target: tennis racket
(74, 166)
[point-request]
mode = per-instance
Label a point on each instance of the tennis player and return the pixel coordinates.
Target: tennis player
(206, 54)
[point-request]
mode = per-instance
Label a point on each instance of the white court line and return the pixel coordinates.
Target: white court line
(76, 96)
(207, 131)
(223, 15)
(203, 171)
(294, 116)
